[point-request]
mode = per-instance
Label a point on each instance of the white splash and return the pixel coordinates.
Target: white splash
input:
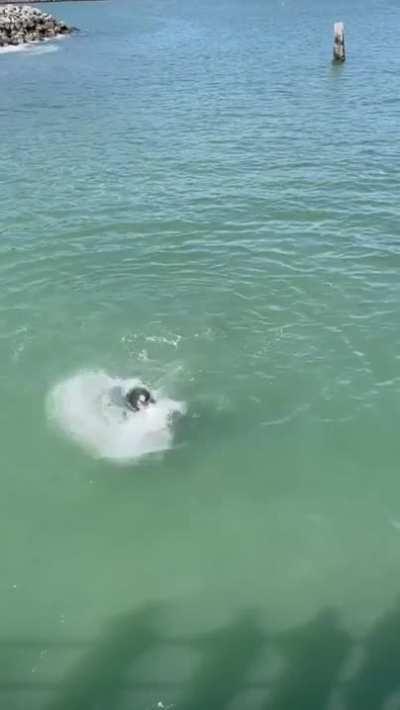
(89, 407)
(35, 49)
(44, 46)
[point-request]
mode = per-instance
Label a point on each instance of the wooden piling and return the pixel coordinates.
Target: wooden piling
(339, 50)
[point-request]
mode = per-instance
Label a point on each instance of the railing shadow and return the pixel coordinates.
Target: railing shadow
(228, 657)
(309, 676)
(96, 681)
(378, 677)
(314, 654)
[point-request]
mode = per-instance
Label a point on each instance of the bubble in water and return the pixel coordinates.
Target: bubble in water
(89, 407)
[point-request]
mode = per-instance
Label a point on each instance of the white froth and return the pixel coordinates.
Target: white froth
(89, 408)
(34, 48)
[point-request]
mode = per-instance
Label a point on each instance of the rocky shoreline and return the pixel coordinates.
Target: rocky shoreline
(21, 24)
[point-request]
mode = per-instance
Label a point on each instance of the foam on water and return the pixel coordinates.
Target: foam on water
(34, 48)
(89, 408)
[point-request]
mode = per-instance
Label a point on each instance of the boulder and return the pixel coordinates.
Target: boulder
(21, 24)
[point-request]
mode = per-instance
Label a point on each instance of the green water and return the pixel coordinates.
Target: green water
(192, 194)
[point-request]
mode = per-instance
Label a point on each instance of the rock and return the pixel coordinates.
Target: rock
(21, 24)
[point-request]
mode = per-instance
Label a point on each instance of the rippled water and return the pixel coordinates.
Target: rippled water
(191, 194)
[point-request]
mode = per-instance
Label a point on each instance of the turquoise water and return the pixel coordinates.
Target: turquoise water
(192, 195)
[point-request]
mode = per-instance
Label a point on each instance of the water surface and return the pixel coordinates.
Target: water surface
(191, 194)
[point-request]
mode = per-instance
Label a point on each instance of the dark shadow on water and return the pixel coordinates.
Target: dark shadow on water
(379, 674)
(314, 654)
(205, 423)
(229, 655)
(220, 675)
(96, 682)
(217, 428)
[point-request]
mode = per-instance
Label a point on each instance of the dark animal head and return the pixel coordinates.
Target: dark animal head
(139, 397)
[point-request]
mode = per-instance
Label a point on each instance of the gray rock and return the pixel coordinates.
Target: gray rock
(21, 24)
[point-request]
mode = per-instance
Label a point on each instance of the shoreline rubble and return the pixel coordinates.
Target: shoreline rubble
(23, 24)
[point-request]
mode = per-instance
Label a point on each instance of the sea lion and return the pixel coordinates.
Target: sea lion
(139, 398)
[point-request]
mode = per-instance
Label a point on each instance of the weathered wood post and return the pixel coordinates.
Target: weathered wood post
(339, 50)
